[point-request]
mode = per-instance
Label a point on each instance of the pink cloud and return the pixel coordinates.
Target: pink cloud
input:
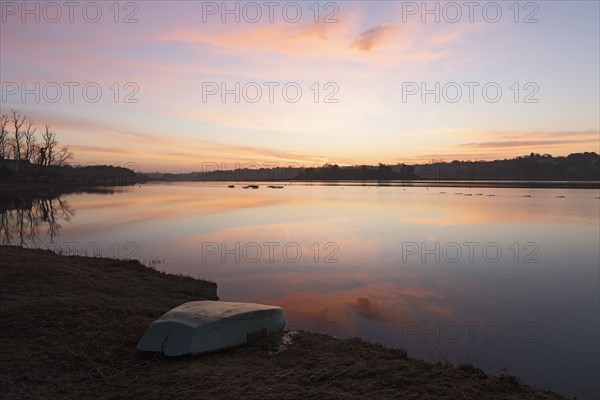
(496, 145)
(374, 37)
(342, 41)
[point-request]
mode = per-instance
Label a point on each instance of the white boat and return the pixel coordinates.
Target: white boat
(206, 326)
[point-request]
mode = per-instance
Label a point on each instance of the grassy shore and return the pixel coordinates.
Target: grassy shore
(69, 327)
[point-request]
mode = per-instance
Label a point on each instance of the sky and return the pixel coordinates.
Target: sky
(189, 85)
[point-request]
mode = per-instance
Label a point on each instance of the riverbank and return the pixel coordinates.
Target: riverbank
(20, 196)
(70, 326)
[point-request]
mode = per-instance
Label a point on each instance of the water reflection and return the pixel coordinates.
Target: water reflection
(383, 263)
(24, 226)
(33, 219)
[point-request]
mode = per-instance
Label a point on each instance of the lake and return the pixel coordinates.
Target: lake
(506, 279)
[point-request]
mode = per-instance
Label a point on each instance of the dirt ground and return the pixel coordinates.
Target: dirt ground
(69, 328)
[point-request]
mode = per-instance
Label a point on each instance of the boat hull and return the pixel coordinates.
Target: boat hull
(206, 326)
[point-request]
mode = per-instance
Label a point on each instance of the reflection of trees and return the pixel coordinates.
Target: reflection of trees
(22, 226)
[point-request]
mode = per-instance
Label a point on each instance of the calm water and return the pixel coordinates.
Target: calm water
(484, 275)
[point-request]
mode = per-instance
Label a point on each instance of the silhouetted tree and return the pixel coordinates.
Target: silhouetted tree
(17, 141)
(20, 143)
(4, 136)
(30, 145)
(50, 155)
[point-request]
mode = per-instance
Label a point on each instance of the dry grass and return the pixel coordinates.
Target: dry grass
(69, 327)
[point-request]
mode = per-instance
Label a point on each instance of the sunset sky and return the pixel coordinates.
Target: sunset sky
(367, 56)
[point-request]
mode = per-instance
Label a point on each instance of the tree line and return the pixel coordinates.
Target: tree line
(18, 141)
(534, 167)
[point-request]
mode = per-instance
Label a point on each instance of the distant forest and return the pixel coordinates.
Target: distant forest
(534, 167)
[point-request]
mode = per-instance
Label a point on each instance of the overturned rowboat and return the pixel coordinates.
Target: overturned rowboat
(206, 326)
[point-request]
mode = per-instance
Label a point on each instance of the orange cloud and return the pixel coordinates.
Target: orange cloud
(514, 144)
(498, 145)
(169, 150)
(340, 41)
(305, 41)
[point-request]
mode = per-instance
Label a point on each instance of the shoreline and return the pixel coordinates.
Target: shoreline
(20, 196)
(71, 324)
(28, 191)
(497, 184)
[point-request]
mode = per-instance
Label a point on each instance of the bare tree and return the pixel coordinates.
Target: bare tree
(3, 136)
(17, 142)
(62, 156)
(47, 151)
(30, 145)
(22, 144)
